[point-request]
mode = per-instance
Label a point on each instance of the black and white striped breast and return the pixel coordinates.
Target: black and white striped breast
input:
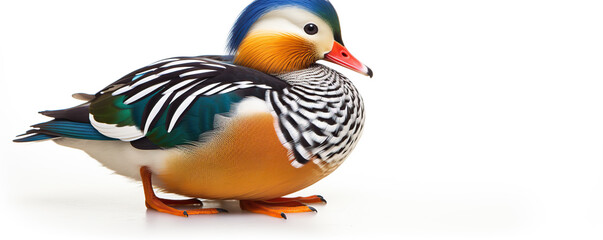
(320, 116)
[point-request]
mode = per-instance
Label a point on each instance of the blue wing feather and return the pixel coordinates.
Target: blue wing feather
(62, 128)
(72, 129)
(33, 138)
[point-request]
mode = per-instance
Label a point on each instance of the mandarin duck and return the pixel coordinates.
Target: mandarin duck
(255, 125)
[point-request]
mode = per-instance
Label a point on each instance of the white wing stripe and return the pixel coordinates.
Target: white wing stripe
(179, 93)
(171, 70)
(182, 62)
(122, 90)
(215, 90)
(219, 62)
(263, 86)
(144, 93)
(204, 89)
(179, 111)
(154, 112)
(127, 133)
(145, 80)
(230, 89)
(213, 65)
(184, 105)
(165, 60)
(196, 72)
(178, 86)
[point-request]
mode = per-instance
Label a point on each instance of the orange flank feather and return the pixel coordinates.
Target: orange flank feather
(275, 53)
(246, 162)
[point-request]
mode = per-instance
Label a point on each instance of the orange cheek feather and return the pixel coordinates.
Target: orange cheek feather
(275, 53)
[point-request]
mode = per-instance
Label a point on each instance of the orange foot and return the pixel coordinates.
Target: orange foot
(171, 202)
(279, 206)
(161, 205)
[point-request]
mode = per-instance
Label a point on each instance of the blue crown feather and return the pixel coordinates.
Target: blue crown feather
(258, 8)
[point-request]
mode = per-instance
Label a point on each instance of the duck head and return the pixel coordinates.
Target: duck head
(278, 36)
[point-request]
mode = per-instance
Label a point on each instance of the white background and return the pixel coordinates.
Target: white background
(484, 121)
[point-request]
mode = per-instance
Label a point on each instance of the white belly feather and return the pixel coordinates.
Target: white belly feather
(120, 156)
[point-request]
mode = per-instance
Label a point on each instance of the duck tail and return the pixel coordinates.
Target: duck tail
(72, 123)
(61, 128)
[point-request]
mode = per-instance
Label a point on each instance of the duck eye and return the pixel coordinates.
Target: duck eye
(311, 29)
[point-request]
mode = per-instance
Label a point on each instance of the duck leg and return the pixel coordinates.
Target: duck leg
(310, 199)
(161, 205)
(173, 202)
(279, 206)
